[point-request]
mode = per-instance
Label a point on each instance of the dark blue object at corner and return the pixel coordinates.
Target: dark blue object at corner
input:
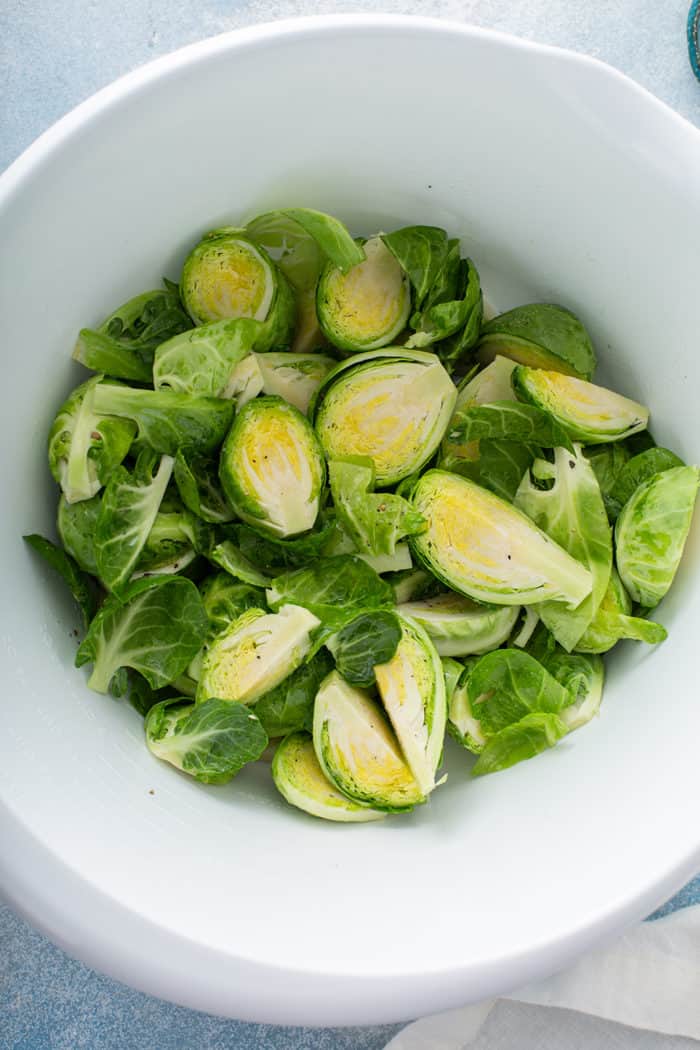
(693, 41)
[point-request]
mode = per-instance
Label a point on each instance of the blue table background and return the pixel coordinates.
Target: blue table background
(53, 54)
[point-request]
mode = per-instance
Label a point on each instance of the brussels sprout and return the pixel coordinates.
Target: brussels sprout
(572, 512)
(392, 406)
(614, 621)
(412, 688)
(540, 335)
(272, 468)
(357, 750)
(587, 412)
(76, 524)
(210, 741)
(583, 676)
(294, 377)
(482, 547)
(459, 627)
(651, 531)
(227, 276)
(461, 723)
(256, 653)
(300, 779)
(85, 444)
(368, 306)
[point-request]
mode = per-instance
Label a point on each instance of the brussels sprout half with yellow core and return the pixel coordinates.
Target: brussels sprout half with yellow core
(300, 779)
(272, 468)
(227, 276)
(294, 377)
(391, 405)
(365, 307)
(459, 627)
(256, 653)
(587, 412)
(483, 547)
(358, 751)
(412, 688)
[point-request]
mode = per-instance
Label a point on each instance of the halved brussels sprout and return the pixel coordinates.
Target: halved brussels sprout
(245, 382)
(300, 779)
(651, 531)
(294, 377)
(256, 653)
(226, 275)
(393, 406)
(365, 307)
(482, 547)
(272, 467)
(587, 412)
(459, 627)
(541, 335)
(358, 751)
(614, 621)
(412, 688)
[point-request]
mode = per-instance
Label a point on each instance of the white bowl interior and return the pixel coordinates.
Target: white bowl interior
(567, 184)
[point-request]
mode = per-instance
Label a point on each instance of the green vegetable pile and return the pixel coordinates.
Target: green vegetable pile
(311, 496)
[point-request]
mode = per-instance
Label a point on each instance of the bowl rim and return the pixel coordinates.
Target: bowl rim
(129, 946)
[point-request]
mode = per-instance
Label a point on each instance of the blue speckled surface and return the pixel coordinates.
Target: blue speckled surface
(53, 54)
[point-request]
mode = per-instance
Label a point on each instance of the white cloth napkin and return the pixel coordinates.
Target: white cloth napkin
(642, 993)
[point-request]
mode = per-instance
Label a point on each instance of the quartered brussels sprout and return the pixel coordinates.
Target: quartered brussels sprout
(392, 406)
(651, 531)
(210, 741)
(365, 307)
(227, 276)
(295, 377)
(482, 547)
(358, 751)
(540, 335)
(614, 621)
(459, 627)
(587, 412)
(85, 445)
(300, 779)
(256, 653)
(412, 688)
(272, 468)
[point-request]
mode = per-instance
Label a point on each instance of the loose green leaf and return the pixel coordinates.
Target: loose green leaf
(607, 462)
(524, 739)
(421, 252)
(290, 706)
(572, 512)
(508, 421)
(508, 684)
(224, 599)
(166, 420)
(197, 480)
(636, 471)
(156, 629)
(66, 567)
(541, 335)
(231, 559)
(374, 521)
(76, 523)
(211, 741)
(370, 639)
(330, 235)
(127, 513)
(200, 362)
(651, 531)
(332, 589)
(99, 353)
(614, 621)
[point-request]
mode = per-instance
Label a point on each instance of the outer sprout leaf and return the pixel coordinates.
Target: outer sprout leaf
(290, 705)
(101, 354)
(374, 521)
(197, 480)
(637, 470)
(421, 252)
(76, 523)
(334, 589)
(541, 335)
(231, 559)
(370, 639)
(524, 739)
(507, 421)
(156, 629)
(330, 235)
(211, 741)
(200, 362)
(62, 563)
(508, 684)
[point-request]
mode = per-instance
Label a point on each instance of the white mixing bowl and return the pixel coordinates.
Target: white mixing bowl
(569, 184)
